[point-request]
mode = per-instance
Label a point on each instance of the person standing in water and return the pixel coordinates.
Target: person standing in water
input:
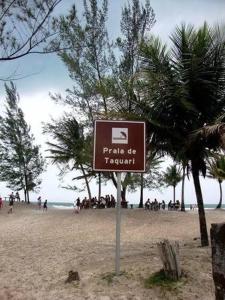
(45, 206)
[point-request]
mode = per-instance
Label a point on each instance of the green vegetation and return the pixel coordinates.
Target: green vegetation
(216, 170)
(26, 28)
(160, 279)
(178, 91)
(108, 277)
(184, 90)
(21, 161)
(70, 148)
(104, 83)
(172, 177)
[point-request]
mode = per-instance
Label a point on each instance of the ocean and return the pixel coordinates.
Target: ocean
(69, 205)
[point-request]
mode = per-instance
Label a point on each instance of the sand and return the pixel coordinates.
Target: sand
(38, 250)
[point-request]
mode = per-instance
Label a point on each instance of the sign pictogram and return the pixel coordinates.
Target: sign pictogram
(119, 146)
(119, 135)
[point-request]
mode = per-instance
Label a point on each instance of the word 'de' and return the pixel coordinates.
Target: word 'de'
(118, 151)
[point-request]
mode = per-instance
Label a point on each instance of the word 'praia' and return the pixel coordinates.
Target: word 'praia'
(119, 161)
(107, 150)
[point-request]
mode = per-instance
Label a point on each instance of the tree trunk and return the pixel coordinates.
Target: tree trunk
(201, 210)
(182, 190)
(25, 195)
(169, 254)
(217, 233)
(99, 185)
(174, 194)
(221, 195)
(25, 179)
(86, 181)
(123, 193)
(113, 179)
(28, 198)
(141, 191)
(124, 185)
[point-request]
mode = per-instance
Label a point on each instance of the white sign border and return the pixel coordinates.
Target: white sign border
(94, 144)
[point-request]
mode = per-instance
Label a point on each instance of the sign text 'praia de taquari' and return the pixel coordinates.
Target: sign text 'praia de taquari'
(119, 146)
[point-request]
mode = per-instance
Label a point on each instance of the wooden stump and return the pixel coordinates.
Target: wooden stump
(217, 233)
(169, 254)
(72, 276)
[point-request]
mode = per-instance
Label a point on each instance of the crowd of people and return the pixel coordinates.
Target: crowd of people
(109, 201)
(12, 198)
(103, 202)
(193, 206)
(156, 205)
(174, 205)
(16, 197)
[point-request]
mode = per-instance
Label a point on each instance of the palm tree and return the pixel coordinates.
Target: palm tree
(152, 179)
(70, 146)
(172, 177)
(213, 134)
(216, 169)
(184, 90)
(185, 171)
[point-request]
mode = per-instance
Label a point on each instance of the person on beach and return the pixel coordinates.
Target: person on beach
(147, 204)
(45, 206)
(39, 202)
(170, 205)
(11, 202)
(1, 202)
(177, 205)
(11, 196)
(17, 196)
(77, 206)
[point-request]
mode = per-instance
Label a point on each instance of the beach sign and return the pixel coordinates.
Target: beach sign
(119, 146)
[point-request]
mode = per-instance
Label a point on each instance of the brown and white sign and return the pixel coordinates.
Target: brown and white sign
(119, 146)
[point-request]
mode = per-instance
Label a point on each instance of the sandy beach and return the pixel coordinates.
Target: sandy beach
(38, 249)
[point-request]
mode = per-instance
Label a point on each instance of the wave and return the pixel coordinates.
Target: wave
(67, 205)
(62, 206)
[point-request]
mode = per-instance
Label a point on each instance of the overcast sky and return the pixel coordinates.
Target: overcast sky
(44, 74)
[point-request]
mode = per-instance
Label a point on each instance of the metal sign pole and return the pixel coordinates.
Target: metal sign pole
(118, 221)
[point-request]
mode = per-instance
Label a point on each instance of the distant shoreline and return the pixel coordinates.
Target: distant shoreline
(69, 205)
